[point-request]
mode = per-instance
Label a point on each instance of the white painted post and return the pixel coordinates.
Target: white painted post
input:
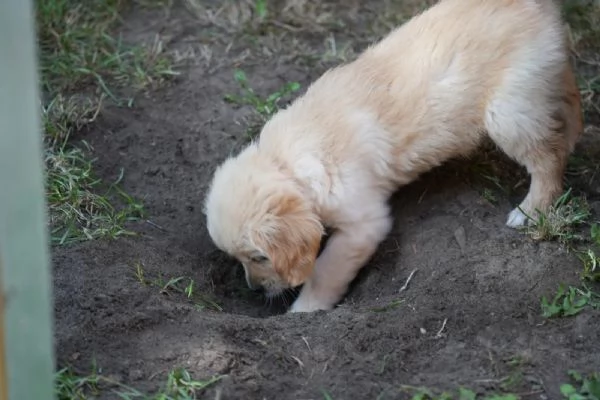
(26, 355)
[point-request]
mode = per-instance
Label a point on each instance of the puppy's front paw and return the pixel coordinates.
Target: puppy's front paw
(517, 219)
(307, 304)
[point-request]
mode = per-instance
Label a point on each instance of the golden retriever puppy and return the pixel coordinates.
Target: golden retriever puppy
(430, 91)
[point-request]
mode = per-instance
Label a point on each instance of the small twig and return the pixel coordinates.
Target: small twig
(422, 195)
(405, 286)
(286, 26)
(532, 393)
(156, 225)
(439, 333)
(307, 345)
(487, 381)
(300, 363)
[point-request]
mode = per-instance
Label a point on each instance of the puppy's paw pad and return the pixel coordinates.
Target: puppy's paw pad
(516, 219)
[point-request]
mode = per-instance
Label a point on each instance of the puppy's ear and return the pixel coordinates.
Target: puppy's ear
(291, 237)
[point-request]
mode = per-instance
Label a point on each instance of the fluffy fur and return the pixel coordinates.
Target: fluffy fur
(430, 91)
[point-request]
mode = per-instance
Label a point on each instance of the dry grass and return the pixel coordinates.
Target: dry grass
(317, 34)
(79, 54)
(583, 18)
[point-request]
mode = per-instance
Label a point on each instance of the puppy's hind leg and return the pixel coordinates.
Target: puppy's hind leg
(539, 134)
(346, 252)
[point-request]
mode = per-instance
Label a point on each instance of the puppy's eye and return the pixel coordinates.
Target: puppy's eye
(259, 259)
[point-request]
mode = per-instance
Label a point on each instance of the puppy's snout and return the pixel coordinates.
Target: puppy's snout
(253, 284)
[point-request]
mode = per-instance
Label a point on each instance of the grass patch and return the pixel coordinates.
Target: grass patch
(78, 50)
(77, 211)
(559, 223)
(264, 107)
(177, 285)
(81, 65)
(179, 385)
(70, 386)
(81, 206)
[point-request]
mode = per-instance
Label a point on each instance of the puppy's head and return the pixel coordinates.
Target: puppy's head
(256, 213)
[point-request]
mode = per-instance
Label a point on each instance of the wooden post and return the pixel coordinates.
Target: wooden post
(3, 378)
(26, 355)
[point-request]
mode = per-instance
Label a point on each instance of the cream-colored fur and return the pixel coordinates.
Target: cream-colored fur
(429, 91)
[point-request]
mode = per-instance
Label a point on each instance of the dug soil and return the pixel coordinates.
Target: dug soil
(470, 315)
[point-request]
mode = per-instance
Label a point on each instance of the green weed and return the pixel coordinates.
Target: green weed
(591, 265)
(189, 289)
(326, 395)
(591, 257)
(390, 306)
(260, 7)
(581, 387)
(569, 301)
(264, 107)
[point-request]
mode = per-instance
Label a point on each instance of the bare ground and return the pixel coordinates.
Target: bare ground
(483, 279)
